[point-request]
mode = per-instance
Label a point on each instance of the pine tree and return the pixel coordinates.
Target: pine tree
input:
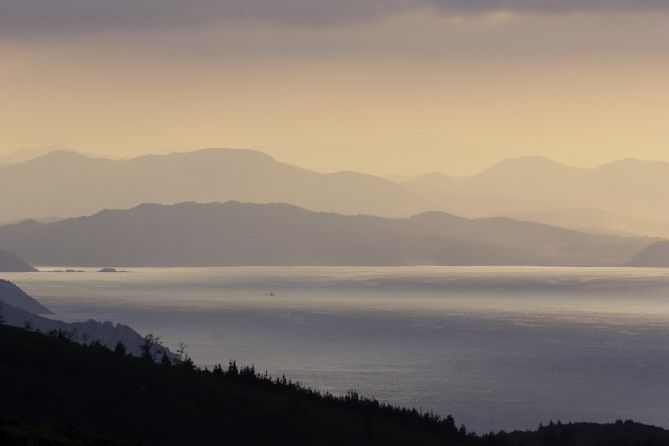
(151, 343)
(120, 349)
(166, 361)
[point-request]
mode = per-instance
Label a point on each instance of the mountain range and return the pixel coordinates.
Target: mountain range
(66, 184)
(656, 255)
(11, 263)
(627, 197)
(234, 233)
(624, 196)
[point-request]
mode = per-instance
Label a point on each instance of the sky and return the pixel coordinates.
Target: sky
(379, 86)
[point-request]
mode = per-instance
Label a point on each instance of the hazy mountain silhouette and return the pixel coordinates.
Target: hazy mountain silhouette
(107, 333)
(11, 263)
(656, 254)
(66, 184)
(234, 233)
(18, 309)
(24, 155)
(16, 297)
(625, 197)
(595, 220)
(632, 190)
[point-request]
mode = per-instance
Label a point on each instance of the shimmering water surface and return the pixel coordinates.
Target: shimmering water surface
(499, 348)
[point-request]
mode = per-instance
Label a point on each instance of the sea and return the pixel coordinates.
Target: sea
(499, 348)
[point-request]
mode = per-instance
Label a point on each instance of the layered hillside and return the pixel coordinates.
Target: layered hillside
(235, 234)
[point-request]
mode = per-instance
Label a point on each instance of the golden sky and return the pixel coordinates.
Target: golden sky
(381, 87)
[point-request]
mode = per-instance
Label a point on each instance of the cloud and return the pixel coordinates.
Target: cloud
(52, 17)
(49, 16)
(549, 6)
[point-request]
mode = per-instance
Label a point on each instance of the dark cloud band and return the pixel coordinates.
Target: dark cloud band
(44, 17)
(549, 6)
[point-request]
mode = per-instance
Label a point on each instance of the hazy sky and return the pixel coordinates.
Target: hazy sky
(383, 86)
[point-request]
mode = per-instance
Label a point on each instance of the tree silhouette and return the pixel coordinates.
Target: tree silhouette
(166, 361)
(120, 349)
(235, 406)
(151, 343)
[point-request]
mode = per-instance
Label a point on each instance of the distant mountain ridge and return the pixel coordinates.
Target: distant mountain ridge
(594, 220)
(21, 156)
(623, 197)
(628, 195)
(11, 263)
(65, 184)
(235, 234)
(655, 255)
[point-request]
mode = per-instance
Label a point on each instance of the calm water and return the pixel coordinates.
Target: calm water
(499, 348)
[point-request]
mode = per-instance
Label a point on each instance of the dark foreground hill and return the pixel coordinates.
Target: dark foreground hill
(236, 234)
(16, 434)
(49, 382)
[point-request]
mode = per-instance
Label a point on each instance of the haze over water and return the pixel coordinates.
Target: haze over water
(497, 347)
